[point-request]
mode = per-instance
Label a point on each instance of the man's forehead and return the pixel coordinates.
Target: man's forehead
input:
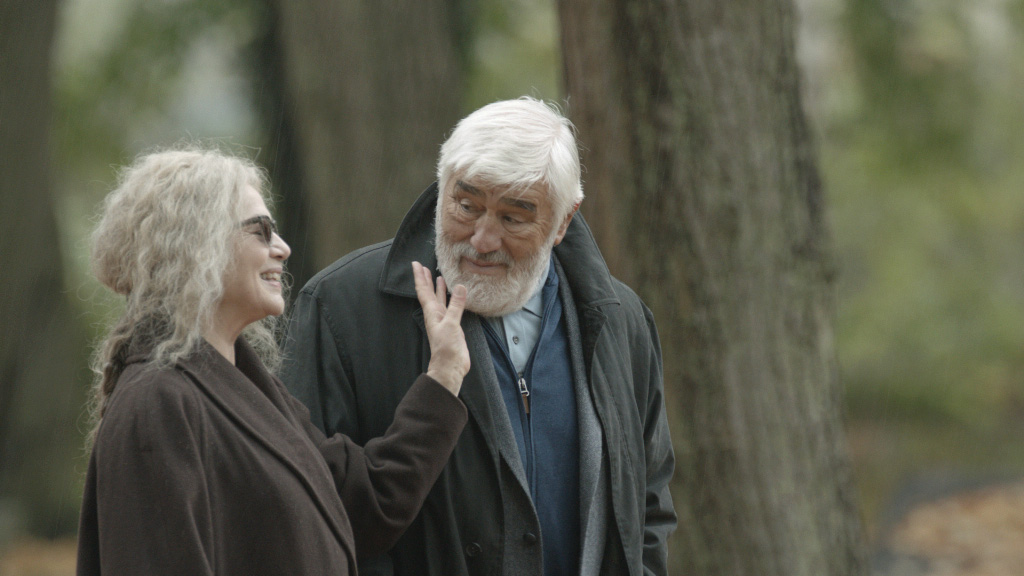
(511, 193)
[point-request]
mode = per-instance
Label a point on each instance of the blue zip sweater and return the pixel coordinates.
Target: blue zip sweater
(547, 434)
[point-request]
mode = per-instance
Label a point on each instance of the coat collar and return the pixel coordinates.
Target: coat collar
(414, 241)
(254, 400)
(578, 254)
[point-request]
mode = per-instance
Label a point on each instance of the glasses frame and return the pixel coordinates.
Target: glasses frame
(268, 227)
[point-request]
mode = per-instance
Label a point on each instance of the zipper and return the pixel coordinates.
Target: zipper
(525, 393)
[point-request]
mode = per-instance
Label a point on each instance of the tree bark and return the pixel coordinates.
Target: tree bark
(363, 93)
(41, 351)
(703, 191)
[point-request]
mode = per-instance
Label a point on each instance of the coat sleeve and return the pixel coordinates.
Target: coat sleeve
(660, 517)
(383, 485)
(152, 506)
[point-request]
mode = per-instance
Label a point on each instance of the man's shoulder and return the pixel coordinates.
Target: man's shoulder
(631, 316)
(629, 301)
(358, 267)
(623, 291)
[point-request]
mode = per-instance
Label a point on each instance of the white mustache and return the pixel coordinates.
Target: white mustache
(465, 250)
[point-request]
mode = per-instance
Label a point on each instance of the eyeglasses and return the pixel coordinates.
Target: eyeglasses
(267, 227)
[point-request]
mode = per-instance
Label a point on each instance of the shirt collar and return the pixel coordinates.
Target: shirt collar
(535, 305)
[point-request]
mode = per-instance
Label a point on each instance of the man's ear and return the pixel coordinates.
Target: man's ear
(565, 224)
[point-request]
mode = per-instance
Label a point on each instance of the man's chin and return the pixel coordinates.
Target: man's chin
(491, 295)
(488, 296)
(492, 308)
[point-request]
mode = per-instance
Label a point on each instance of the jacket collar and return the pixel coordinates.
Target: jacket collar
(581, 260)
(231, 383)
(254, 400)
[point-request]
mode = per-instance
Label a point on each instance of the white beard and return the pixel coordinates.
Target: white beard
(488, 295)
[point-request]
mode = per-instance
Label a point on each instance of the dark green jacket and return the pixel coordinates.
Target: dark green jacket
(356, 340)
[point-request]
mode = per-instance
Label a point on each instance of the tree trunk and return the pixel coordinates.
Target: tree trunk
(363, 93)
(704, 194)
(41, 352)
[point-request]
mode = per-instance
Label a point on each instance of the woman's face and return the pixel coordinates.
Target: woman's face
(252, 284)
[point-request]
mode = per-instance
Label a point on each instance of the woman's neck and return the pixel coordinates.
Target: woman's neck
(223, 340)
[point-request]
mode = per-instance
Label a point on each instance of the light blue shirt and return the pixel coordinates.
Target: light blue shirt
(521, 329)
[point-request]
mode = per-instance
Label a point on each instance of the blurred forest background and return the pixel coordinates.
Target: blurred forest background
(917, 114)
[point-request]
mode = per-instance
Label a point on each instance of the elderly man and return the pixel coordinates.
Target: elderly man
(564, 467)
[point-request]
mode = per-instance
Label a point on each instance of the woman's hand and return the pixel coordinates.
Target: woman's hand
(449, 356)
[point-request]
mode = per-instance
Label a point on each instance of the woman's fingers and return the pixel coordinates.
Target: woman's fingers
(442, 292)
(425, 291)
(457, 304)
(434, 300)
(449, 356)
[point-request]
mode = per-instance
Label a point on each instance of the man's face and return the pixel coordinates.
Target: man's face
(496, 242)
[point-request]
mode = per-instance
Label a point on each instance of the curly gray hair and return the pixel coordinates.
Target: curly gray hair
(164, 242)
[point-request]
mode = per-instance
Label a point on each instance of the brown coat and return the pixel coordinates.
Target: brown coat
(205, 468)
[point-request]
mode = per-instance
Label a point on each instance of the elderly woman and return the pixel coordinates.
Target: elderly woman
(202, 463)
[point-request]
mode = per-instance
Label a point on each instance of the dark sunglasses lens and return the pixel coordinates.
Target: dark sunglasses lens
(267, 230)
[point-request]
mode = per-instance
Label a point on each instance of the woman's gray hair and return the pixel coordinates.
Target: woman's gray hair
(516, 143)
(164, 241)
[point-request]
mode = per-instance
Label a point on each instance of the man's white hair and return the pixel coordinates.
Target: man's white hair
(516, 144)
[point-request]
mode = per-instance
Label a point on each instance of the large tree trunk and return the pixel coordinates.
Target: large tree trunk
(704, 193)
(41, 351)
(363, 94)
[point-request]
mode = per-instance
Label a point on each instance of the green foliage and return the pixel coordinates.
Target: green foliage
(929, 222)
(123, 89)
(913, 61)
(514, 52)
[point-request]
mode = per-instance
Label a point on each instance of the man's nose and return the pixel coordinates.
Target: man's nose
(486, 235)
